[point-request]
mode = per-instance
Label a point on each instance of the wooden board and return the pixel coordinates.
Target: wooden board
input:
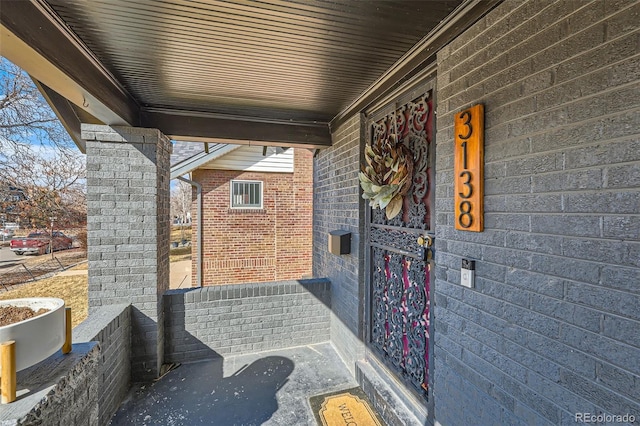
(469, 169)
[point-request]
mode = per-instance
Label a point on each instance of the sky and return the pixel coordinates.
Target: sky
(39, 107)
(41, 146)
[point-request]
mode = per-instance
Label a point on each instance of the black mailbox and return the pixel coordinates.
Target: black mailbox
(339, 242)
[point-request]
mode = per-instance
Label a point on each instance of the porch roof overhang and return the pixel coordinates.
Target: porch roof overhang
(273, 72)
(193, 162)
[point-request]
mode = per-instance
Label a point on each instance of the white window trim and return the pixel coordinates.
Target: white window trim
(246, 207)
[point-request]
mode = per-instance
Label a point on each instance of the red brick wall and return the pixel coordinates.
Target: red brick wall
(242, 246)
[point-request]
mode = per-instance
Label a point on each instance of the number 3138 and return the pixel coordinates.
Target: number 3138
(469, 159)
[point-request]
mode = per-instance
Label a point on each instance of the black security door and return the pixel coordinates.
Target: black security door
(399, 249)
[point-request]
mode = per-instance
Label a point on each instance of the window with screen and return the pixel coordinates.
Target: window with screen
(246, 194)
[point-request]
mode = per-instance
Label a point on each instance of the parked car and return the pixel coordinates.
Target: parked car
(39, 243)
(12, 225)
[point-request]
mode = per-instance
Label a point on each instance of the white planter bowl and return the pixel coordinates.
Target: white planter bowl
(39, 337)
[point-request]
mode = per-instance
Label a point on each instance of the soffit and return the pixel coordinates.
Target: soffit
(303, 61)
(269, 73)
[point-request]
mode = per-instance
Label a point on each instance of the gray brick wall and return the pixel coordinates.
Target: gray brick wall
(337, 206)
(84, 387)
(551, 327)
(61, 390)
(128, 231)
(234, 319)
(110, 326)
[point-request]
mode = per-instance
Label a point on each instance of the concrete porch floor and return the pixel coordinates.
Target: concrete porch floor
(266, 388)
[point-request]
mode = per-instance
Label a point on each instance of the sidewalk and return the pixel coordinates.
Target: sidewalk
(17, 270)
(180, 274)
(70, 272)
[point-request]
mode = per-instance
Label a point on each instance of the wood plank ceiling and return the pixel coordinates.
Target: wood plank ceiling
(275, 72)
(292, 60)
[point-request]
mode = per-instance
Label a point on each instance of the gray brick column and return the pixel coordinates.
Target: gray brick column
(128, 232)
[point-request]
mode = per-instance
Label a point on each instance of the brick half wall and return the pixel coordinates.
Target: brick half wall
(110, 326)
(235, 319)
(84, 387)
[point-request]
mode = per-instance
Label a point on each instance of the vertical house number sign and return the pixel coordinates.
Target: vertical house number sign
(468, 169)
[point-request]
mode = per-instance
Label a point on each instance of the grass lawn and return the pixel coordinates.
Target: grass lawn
(183, 252)
(180, 232)
(180, 253)
(72, 289)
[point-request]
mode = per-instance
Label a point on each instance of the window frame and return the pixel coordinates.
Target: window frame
(246, 207)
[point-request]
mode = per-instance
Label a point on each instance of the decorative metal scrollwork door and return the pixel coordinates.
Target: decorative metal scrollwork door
(399, 270)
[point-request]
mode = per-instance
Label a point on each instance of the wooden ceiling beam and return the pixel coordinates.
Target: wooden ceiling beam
(77, 85)
(65, 112)
(220, 128)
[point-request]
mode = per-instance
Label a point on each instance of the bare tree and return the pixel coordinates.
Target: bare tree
(53, 182)
(41, 171)
(24, 113)
(181, 205)
(181, 201)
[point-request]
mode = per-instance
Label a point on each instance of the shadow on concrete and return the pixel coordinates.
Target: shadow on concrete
(198, 393)
(239, 389)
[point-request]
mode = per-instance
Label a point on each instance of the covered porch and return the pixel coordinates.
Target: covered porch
(549, 315)
(126, 79)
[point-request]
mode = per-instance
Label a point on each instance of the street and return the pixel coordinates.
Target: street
(9, 258)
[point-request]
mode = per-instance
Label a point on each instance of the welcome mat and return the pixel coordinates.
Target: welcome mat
(349, 407)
